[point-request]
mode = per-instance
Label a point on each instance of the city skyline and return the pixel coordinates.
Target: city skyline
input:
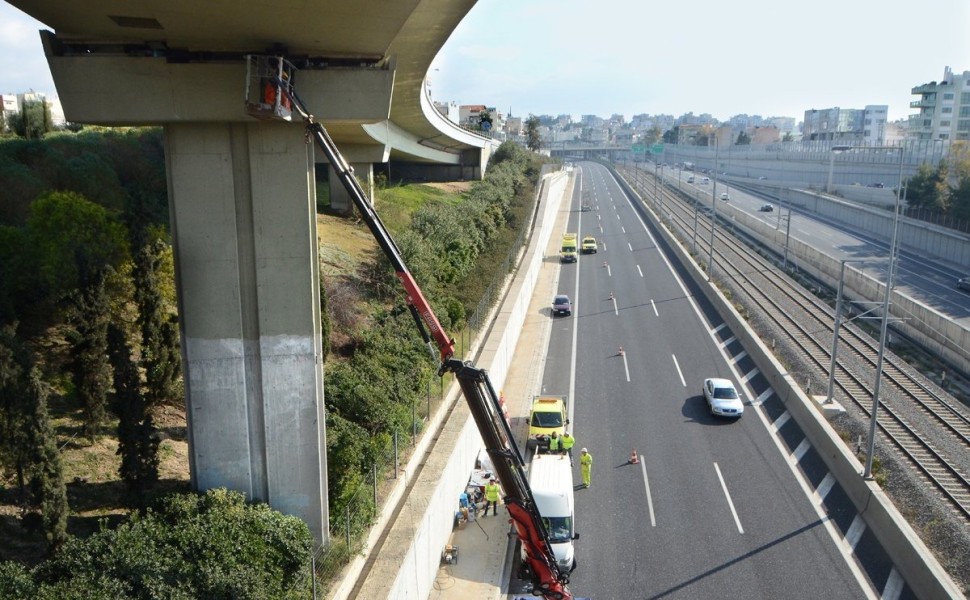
(627, 58)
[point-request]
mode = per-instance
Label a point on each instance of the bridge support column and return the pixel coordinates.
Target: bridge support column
(244, 226)
(339, 198)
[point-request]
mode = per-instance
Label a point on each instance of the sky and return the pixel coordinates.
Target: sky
(756, 57)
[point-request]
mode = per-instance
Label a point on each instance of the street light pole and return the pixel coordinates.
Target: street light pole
(867, 473)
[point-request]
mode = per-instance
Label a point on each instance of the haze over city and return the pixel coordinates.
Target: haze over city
(621, 56)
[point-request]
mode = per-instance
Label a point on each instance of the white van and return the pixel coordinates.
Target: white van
(551, 480)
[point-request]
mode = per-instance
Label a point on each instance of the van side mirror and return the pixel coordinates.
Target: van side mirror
(567, 421)
(576, 536)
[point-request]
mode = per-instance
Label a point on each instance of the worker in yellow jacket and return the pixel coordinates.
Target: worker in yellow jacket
(586, 466)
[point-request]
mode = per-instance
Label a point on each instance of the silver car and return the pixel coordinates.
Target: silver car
(722, 399)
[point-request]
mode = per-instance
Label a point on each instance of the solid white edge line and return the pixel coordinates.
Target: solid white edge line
(861, 578)
(646, 485)
(727, 495)
(679, 372)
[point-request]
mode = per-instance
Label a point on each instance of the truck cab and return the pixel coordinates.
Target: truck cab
(589, 245)
(568, 249)
(548, 414)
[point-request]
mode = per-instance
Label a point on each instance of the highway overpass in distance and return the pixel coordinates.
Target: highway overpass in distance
(242, 193)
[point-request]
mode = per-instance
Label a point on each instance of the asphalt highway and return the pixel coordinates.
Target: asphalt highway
(713, 508)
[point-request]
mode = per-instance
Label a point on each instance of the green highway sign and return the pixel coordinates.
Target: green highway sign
(657, 149)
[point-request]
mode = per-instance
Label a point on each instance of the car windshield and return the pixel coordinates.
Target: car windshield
(560, 529)
(546, 419)
(725, 393)
(561, 301)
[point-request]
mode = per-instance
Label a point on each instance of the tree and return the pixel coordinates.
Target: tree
(788, 137)
(28, 443)
(533, 139)
(33, 120)
(160, 356)
(743, 139)
(137, 439)
(484, 121)
(90, 370)
(670, 136)
(47, 470)
(928, 189)
(960, 199)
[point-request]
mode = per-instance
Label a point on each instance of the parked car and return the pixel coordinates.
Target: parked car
(562, 306)
(724, 196)
(706, 180)
(767, 207)
(963, 284)
(722, 399)
(876, 185)
(762, 178)
(690, 179)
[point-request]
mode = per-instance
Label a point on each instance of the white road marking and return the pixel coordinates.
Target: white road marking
(654, 308)
(894, 585)
(639, 271)
(854, 534)
(609, 271)
(727, 495)
(623, 229)
(646, 485)
(630, 246)
(780, 421)
(615, 310)
(764, 396)
(679, 373)
(626, 366)
(824, 487)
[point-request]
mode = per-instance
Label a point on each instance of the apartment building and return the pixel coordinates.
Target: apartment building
(852, 125)
(944, 108)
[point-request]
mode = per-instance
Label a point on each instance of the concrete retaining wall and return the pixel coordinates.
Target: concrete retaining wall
(412, 550)
(912, 559)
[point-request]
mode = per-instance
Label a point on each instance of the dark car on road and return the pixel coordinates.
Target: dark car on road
(562, 306)
(963, 284)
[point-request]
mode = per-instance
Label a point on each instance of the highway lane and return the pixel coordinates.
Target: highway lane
(713, 509)
(923, 279)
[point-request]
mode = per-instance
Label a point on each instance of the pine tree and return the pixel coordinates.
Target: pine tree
(159, 336)
(91, 372)
(137, 442)
(47, 471)
(14, 440)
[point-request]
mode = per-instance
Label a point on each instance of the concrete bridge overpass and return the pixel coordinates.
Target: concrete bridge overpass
(242, 192)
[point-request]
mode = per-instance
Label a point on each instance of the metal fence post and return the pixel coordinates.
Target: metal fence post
(414, 424)
(395, 454)
(313, 574)
(374, 469)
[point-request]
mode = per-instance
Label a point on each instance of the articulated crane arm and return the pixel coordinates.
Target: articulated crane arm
(547, 579)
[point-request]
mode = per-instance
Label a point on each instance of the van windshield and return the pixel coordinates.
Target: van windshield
(560, 529)
(546, 419)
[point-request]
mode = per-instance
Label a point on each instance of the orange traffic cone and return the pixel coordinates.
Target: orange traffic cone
(634, 460)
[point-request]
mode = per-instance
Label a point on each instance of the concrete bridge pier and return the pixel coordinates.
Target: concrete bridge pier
(242, 197)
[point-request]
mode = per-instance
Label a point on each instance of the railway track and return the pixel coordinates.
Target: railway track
(809, 326)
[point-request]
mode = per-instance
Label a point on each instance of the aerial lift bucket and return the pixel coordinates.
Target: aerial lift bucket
(269, 86)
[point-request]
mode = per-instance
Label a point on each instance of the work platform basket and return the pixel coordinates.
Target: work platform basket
(269, 86)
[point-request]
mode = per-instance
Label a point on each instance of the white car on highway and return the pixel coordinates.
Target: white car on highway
(722, 399)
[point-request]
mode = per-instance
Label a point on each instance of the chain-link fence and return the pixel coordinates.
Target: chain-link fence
(349, 529)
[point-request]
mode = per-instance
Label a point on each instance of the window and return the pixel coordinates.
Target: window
(948, 96)
(947, 110)
(965, 96)
(965, 111)
(963, 125)
(944, 123)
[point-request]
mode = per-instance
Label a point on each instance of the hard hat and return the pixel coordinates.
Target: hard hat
(565, 433)
(584, 449)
